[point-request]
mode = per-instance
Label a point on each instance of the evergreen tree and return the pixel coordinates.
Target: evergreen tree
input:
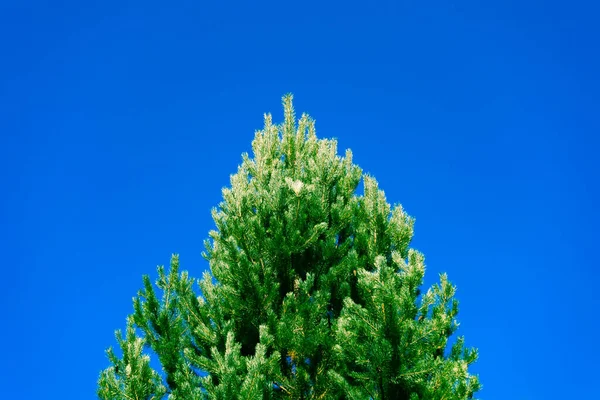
(313, 293)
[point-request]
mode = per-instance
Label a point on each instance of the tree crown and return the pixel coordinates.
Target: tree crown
(313, 293)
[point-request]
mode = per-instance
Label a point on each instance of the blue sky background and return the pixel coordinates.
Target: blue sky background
(120, 123)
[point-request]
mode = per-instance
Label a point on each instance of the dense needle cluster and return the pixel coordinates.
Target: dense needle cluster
(313, 293)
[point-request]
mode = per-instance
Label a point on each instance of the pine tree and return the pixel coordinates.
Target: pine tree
(313, 293)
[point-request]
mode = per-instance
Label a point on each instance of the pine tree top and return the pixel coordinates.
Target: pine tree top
(313, 292)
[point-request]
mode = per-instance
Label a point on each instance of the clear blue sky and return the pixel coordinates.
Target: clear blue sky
(120, 123)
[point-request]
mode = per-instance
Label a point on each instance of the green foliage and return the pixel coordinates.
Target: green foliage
(130, 377)
(313, 293)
